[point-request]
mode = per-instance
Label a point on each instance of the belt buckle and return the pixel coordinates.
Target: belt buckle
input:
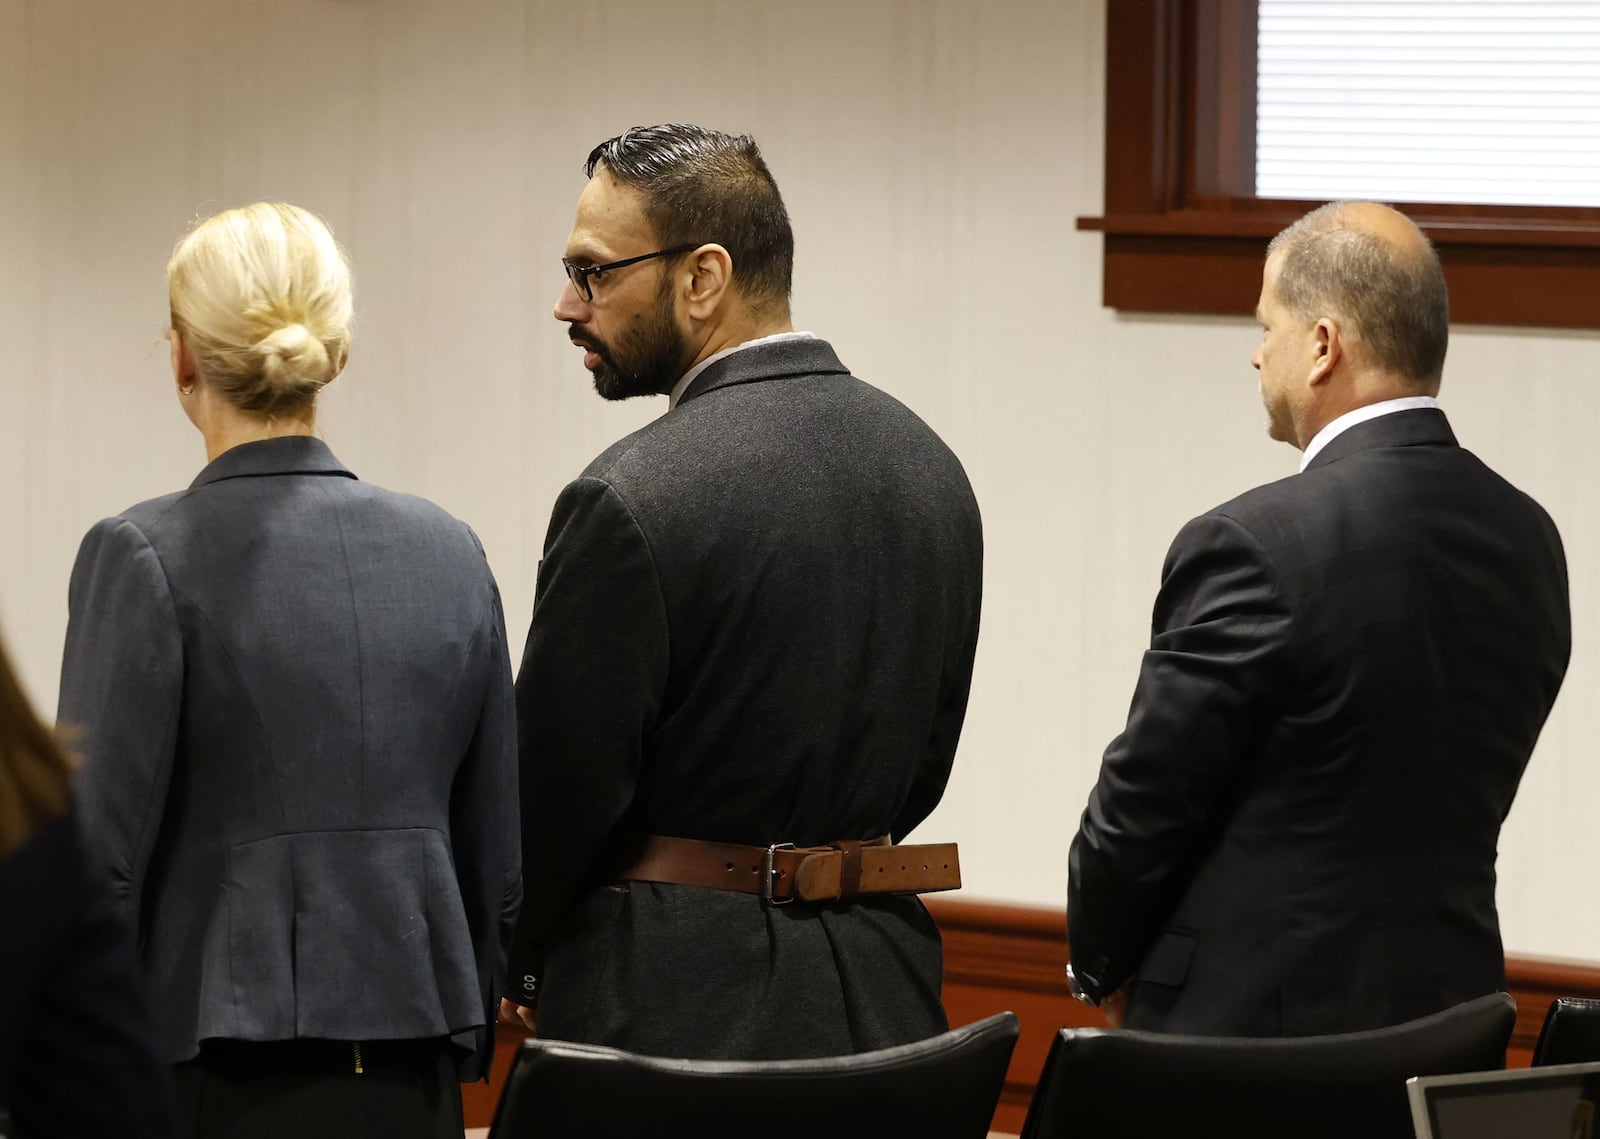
(768, 873)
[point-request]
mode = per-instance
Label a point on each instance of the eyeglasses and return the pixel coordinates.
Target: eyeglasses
(582, 276)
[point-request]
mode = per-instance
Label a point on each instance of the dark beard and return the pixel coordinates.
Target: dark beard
(647, 359)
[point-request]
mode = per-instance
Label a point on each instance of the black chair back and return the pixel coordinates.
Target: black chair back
(1108, 1084)
(1571, 1033)
(942, 1088)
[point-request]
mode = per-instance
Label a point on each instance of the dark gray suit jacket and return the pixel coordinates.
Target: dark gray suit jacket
(295, 706)
(755, 623)
(1296, 832)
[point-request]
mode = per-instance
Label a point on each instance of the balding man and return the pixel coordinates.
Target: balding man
(1295, 834)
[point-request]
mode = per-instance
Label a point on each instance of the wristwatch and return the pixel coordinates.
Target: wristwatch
(1077, 990)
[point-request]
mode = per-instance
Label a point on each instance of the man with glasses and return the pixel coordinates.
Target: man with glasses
(751, 648)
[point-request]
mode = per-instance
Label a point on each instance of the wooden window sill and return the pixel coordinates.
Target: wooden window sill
(1537, 273)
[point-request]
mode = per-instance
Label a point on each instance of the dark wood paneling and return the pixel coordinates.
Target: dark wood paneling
(1524, 285)
(1533, 285)
(1001, 957)
(1239, 219)
(1535, 982)
(1220, 132)
(1217, 275)
(478, 1100)
(1141, 173)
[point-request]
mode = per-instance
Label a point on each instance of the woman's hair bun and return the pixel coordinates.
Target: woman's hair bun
(293, 360)
(261, 297)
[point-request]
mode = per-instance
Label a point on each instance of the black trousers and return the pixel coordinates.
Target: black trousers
(310, 1089)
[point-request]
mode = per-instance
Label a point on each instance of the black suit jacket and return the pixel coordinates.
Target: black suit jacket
(77, 1058)
(754, 623)
(1296, 832)
(296, 711)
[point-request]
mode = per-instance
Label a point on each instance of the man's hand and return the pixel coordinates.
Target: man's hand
(513, 1013)
(1114, 1006)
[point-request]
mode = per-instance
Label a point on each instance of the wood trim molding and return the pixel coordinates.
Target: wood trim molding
(1528, 285)
(1262, 225)
(1535, 982)
(1000, 956)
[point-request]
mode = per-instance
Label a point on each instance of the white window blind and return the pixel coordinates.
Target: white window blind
(1429, 101)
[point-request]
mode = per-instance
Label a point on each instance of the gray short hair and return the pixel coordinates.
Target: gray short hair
(1393, 299)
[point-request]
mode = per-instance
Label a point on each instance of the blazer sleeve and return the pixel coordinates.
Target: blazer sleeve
(121, 694)
(933, 775)
(485, 830)
(591, 685)
(1213, 675)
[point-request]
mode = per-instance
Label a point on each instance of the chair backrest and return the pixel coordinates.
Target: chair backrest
(1571, 1033)
(1108, 1084)
(942, 1088)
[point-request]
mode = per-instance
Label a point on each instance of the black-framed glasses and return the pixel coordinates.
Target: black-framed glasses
(582, 276)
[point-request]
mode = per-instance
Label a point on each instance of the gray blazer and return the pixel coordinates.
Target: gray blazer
(295, 709)
(755, 623)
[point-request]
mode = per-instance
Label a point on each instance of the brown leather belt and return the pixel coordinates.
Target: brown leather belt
(782, 873)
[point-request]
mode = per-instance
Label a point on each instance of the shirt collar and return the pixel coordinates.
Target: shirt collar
(1349, 419)
(689, 377)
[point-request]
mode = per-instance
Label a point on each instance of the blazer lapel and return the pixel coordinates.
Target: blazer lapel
(1424, 426)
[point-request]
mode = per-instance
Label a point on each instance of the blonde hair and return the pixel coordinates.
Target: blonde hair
(34, 768)
(262, 297)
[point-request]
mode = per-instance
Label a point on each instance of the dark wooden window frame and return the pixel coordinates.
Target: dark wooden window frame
(1184, 232)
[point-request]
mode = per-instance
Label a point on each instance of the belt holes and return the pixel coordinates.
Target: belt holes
(924, 865)
(947, 866)
(729, 866)
(902, 866)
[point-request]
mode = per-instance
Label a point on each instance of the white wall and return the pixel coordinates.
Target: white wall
(934, 154)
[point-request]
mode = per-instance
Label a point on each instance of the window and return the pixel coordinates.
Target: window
(1443, 101)
(1188, 211)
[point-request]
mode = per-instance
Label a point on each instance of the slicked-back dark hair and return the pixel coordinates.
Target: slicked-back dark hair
(703, 186)
(1395, 298)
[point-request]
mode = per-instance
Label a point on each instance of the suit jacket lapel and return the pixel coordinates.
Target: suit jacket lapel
(807, 357)
(1421, 427)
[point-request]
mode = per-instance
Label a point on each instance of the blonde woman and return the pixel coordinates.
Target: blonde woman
(76, 1058)
(295, 702)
